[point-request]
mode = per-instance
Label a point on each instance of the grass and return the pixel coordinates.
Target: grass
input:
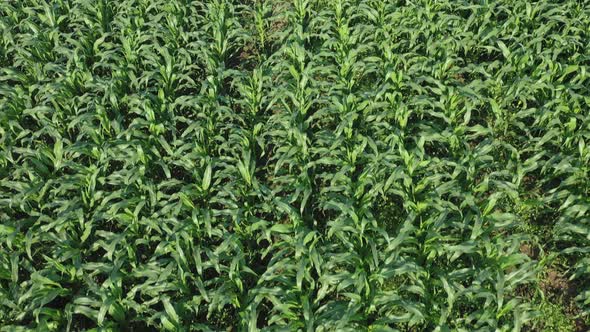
(554, 318)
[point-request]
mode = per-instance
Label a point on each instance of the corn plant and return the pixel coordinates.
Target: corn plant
(293, 165)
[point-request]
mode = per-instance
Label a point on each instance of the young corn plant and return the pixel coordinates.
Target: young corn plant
(294, 165)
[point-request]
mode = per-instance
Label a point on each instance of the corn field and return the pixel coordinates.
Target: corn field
(302, 165)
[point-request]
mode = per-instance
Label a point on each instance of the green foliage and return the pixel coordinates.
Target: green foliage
(554, 319)
(301, 165)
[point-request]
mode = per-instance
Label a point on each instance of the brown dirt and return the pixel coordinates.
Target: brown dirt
(532, 252)
(278, 24)
(556, 285)
(559, 289)
(247, 53)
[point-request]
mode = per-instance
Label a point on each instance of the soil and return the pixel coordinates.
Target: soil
(559, 289)
(530, 251)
